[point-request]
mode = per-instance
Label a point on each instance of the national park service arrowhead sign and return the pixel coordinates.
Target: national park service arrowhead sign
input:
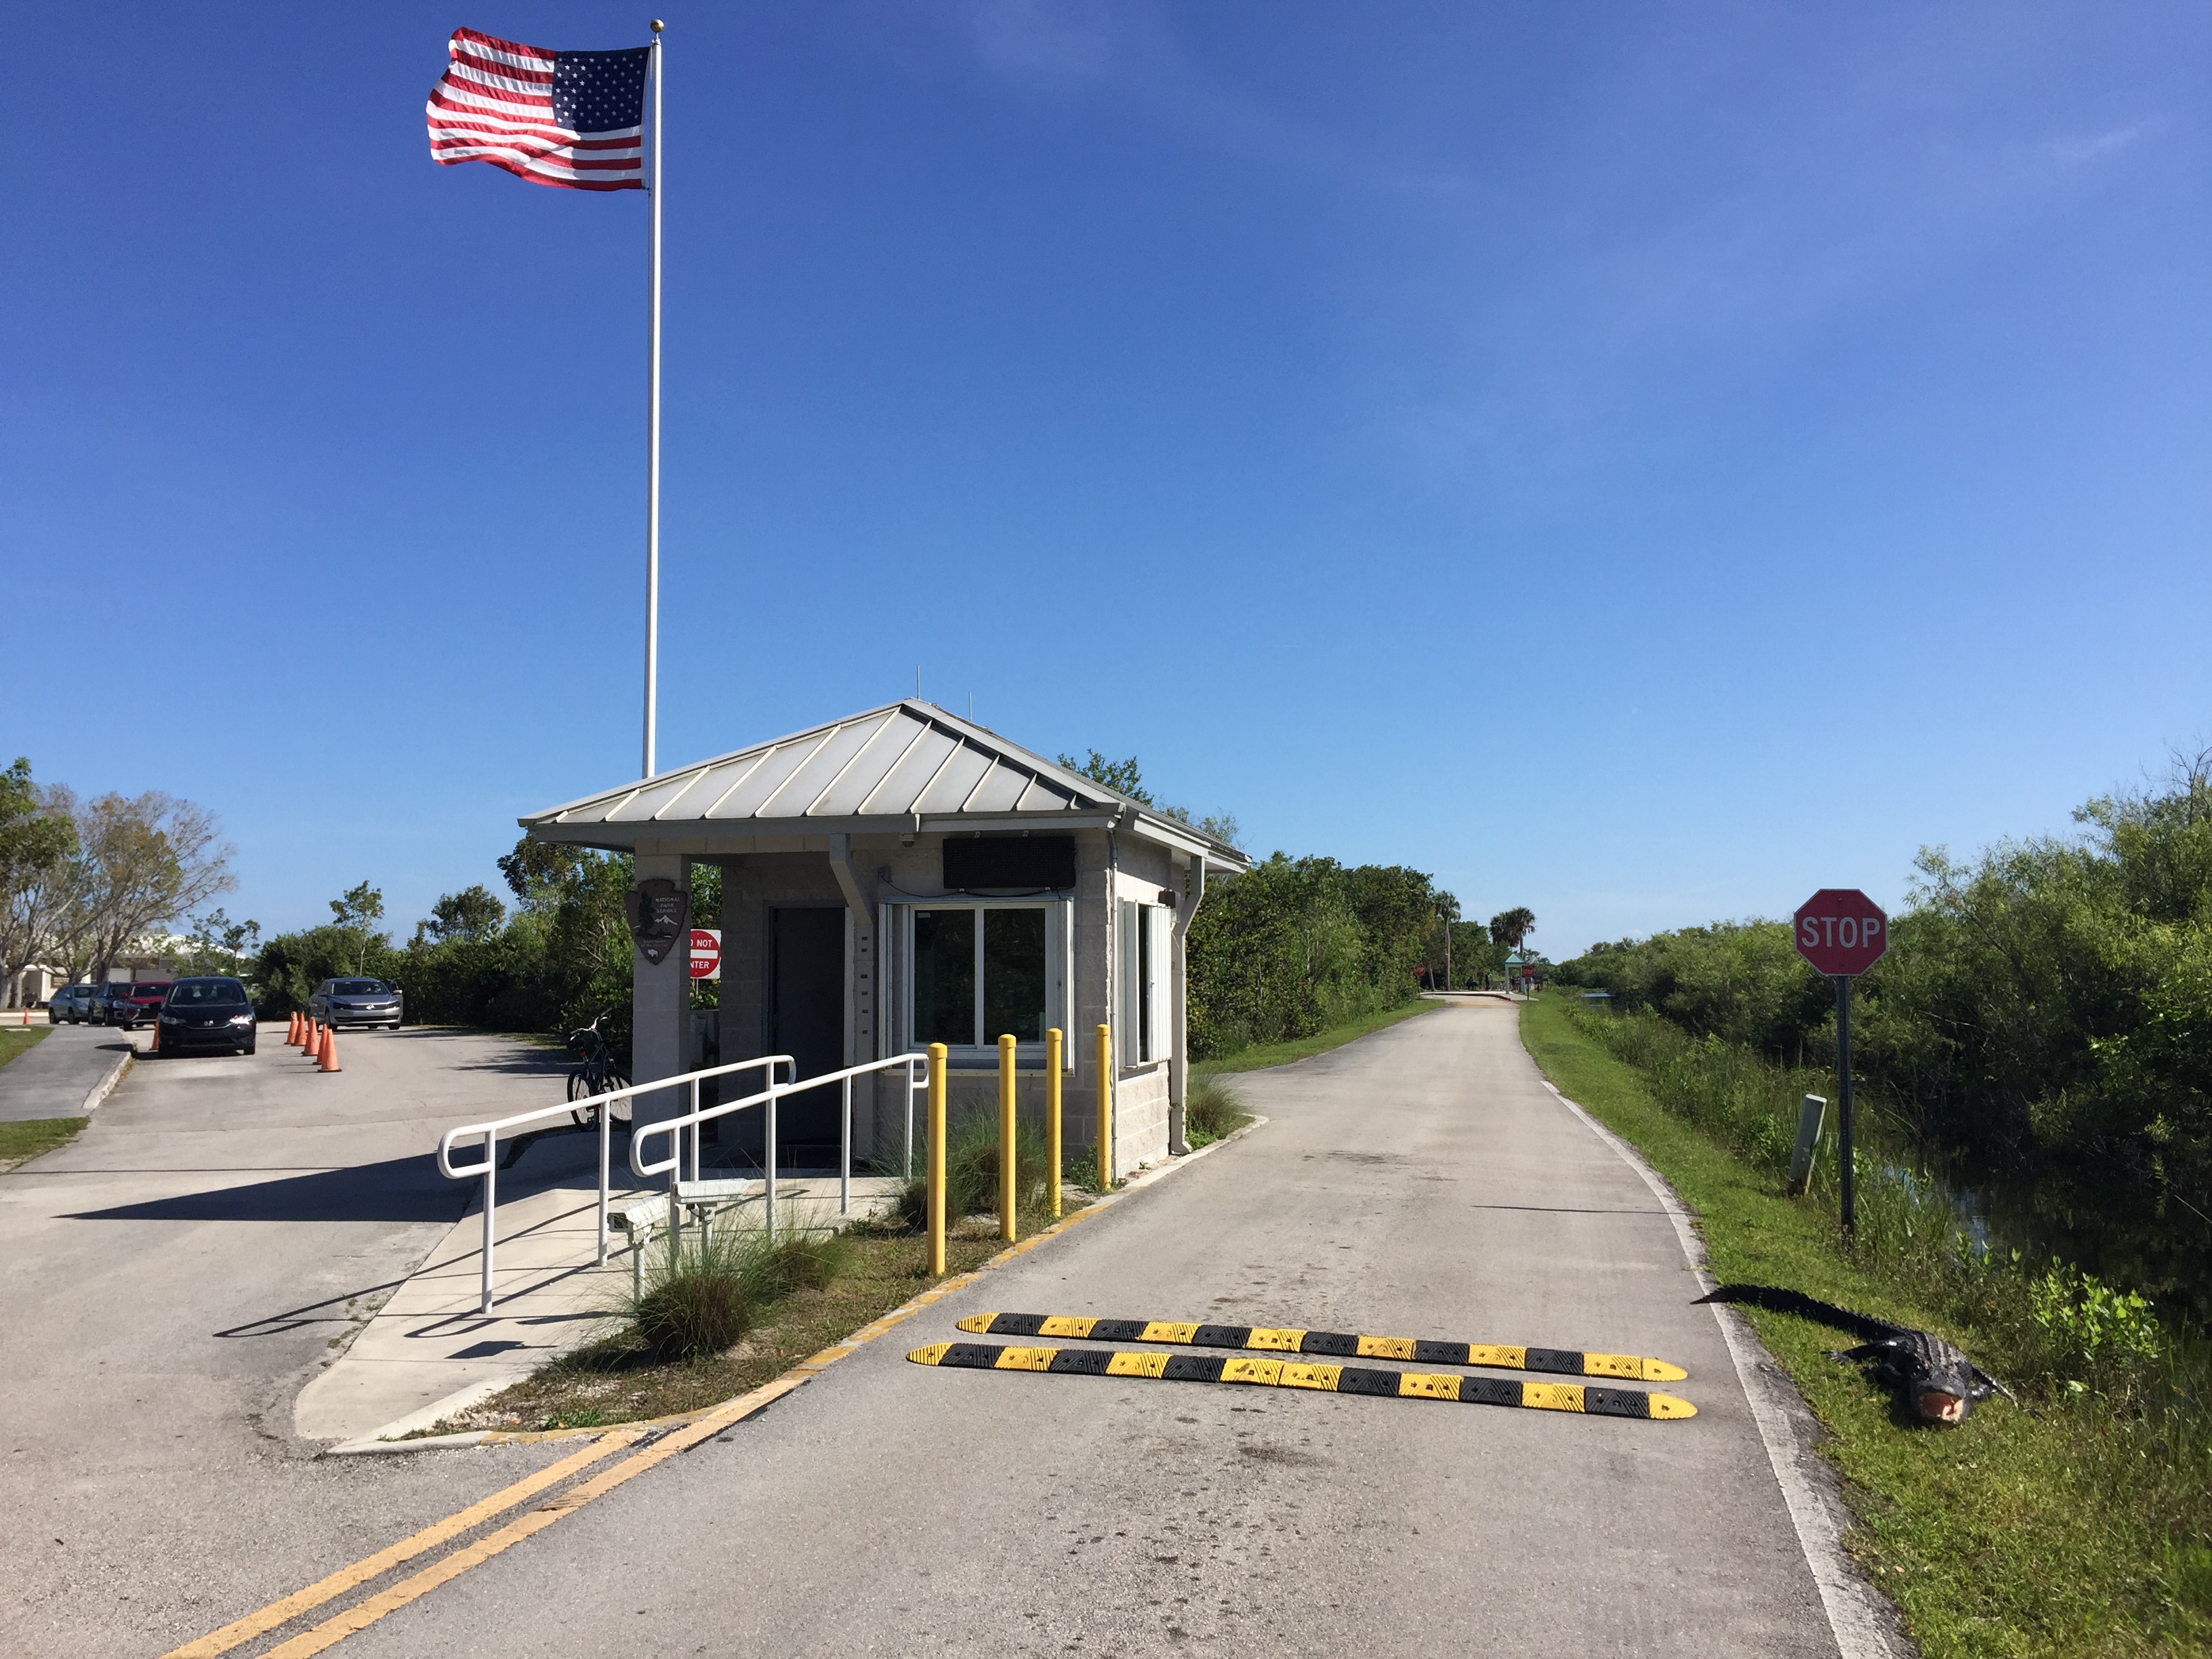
(659, 916)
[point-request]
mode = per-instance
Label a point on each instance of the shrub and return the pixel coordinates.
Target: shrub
(1211, 1110)
(971, 1172)
(707, 1290)
(2097, 1335)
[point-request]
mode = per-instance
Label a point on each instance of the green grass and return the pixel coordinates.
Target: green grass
(1262, 1055)
(2077, 1526)
(22, 1142)
(20, 1039)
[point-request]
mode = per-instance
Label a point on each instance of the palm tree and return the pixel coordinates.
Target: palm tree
(1511, 928)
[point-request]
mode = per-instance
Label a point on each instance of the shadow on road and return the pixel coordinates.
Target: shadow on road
(397, 1189)
(520, 1061)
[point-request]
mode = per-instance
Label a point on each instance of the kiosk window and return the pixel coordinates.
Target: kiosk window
(976, 972)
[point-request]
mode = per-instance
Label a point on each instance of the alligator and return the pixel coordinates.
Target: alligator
(1936, 1382)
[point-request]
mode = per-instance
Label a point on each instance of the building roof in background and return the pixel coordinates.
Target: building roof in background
(909, 765)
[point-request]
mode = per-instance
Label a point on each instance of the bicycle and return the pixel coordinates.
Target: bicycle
(595, 1074)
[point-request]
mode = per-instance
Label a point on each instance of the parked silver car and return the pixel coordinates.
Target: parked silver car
(357, 1002)
(70, 1006)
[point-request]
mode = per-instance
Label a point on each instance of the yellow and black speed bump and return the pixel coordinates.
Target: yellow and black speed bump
(1293, 1374)
(1335, 1344)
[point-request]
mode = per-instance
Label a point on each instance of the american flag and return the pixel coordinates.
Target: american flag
(575, 119)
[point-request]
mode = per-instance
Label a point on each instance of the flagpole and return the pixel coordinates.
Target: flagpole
(653, 437)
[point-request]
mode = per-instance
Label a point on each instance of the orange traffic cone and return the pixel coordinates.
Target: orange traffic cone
(328, 1058)
(154, 1047)
(292, 1030)
(307, 1040)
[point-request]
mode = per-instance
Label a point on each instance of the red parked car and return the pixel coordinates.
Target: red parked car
(130, 1005)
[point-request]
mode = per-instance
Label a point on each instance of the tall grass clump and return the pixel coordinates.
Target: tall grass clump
(704, 1291)
(971, 1172)
(1211, 1109)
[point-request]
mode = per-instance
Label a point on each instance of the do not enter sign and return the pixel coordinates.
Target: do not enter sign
(706, 953)
(1840, 930)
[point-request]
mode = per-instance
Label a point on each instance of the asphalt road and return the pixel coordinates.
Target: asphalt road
(1419, 1182)
(170, 1280)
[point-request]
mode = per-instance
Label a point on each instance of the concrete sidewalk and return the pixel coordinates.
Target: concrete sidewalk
(64, 1075)
(429, 1352)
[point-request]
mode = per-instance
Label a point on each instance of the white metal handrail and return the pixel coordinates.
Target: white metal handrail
(490, 1130)
(916, 1067)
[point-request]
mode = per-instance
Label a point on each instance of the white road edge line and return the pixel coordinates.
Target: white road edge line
(1855, 1618)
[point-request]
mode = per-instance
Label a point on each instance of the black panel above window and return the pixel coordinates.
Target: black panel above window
(1022, 864)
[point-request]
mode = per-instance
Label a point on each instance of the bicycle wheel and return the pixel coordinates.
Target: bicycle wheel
(579, 1088)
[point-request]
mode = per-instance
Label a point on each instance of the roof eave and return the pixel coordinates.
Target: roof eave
(622, 836)
(1182, 838)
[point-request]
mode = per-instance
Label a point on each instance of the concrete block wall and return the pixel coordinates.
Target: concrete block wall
(1111, 869)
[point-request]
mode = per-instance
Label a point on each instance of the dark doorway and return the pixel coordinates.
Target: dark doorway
(806, 1020)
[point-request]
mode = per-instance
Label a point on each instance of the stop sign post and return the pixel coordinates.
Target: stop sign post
(1842, 933)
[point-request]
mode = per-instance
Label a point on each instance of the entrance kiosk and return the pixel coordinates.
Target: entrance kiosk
(901, 878)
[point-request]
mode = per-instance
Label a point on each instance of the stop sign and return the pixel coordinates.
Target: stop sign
(706, 953)
(1839, 930)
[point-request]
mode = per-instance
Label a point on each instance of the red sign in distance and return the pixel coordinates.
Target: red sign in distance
(1839, 930)
(706, 953)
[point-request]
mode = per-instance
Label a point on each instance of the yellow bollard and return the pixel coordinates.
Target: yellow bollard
(937, 1159)
(1007, 1197)
(1052, 1040)
(1105, 1109)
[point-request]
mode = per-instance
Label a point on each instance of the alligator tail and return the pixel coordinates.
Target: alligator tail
(1777, 1300)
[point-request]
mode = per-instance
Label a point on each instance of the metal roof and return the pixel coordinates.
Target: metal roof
(907, 765)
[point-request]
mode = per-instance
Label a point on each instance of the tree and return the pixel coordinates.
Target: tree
(360, 906)
(1124, 777)
(358, 912)
(143, 862)
(539, 873)
(472, 913)
(217, 945)
(1511, 929)
(36, 843)
(1121, 776)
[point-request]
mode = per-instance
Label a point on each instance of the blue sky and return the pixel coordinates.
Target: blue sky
(1642, 462)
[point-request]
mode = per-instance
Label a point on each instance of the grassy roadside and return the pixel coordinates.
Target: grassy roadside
(618, 1381)
(1262, 1055)
(2019, 1532)
(20, 1040)
(22, 1142)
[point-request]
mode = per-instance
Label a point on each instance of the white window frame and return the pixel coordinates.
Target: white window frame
(1147, 983)
(1060, 974)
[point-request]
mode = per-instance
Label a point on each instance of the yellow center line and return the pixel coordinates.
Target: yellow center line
(335, 1630)
(346, 1578)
